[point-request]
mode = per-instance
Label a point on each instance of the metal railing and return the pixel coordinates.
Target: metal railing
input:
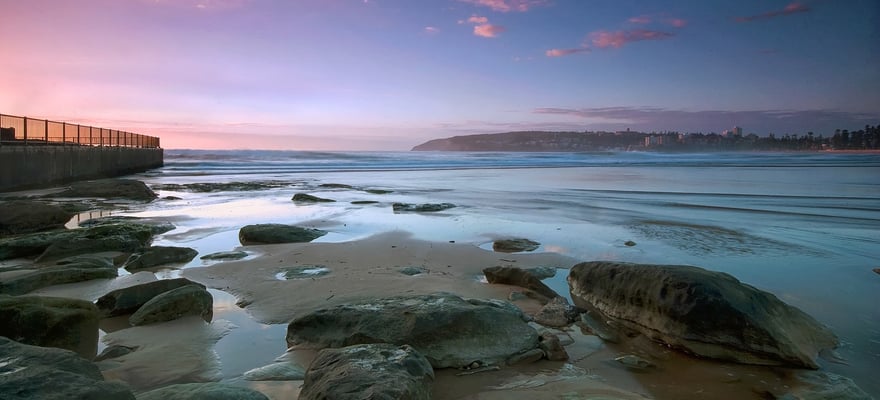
(24, 131)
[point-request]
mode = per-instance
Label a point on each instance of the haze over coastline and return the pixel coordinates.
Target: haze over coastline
(390, 74)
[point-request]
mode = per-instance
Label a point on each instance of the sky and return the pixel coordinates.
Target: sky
(390, 74)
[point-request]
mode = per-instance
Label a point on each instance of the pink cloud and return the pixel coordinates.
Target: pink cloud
(488, 30)
(476, 19)
(431, 30)
(617, 39)
(507, 5)
(641, 19)
(565, 52)
(677, 22)
(791, 8)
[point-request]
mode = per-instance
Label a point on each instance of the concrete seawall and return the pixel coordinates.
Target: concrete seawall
(23, 167)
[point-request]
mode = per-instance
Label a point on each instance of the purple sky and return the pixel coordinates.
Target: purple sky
(389, 74)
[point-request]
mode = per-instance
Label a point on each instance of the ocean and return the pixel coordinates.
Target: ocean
(803, 226)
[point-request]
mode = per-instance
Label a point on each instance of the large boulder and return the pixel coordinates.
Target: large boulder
(32, 372)
(25, 216)
(368, 371)
(519, 277)
(709, 314)
(69, 324)
(158, 226)
(125, 238)
(175, 303)
(202, 391)
(155, 256)
(448, 330)
(25, 280)
(130, 299)
(128, 189)
(277, 233)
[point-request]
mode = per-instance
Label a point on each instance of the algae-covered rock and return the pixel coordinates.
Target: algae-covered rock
(175, 303)
(26, 216)
(128, 300)
(129, 189)
(514, 245)
(277, 233)
(155, 256)
(125, 238)
(202, 391)
(428, 207)
(69, 324)
(307, 198)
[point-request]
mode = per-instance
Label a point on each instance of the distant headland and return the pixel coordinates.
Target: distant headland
(729, 140)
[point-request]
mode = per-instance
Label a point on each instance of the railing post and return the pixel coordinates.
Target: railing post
(91, 142)
(64, 133)
(77, 135)
(46, 132)
(25, 131)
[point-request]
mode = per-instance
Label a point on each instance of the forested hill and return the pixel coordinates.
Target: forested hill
(534, 141)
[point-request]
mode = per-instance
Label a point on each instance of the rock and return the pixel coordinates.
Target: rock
(302, 272)
(557, 313)
(175, 303)
(335, 186)
(130, 299)
(125, 238)
(709, 314)
(519, 277)
(30, 245)
(378, 191)
(114, 352)
(877, 270)
(634, 362)
(820, 385)
(160, 255)
(156, 226)
(412, 271)
(598, 328)
(514, 245)
(429, 207)
(129, 189)
(279, 371)
(171, 198)
(307, 198)
(552, 348)
(530, 356)
(213, 187)
(363, 202)
(448, 330)
(277, 233)
(32, 372)
(542, 272)
(202, 391)
(225, 255)
(24, 281)
(51, 322)
(368, 371)
(25, 216)
(629, 243)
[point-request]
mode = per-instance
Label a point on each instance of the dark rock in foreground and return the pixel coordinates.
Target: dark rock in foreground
(202, 391)
(428, 207)
(514, 245)
(709, 314)
(307, 198)
(129, 189)
(24, 216)
(31, 245)
(519, 277)
(277, 233)
(156, 226)
(69, 324)
(128, 300)
(174, 304)
(368, 371)
(32, 372)
(448, 330)
(125, 238)
(160, 255)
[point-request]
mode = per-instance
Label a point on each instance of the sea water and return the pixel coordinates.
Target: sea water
(803, 226)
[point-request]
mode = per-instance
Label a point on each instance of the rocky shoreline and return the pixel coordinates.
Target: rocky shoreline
(362, 318)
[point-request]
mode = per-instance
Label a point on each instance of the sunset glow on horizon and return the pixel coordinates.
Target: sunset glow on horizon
(390, 74)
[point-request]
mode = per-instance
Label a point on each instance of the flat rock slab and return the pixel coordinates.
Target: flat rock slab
(709, 314)
(26, 216)
(51, 322)
(307, 198)
(33, 372)
(125, 238)
(368, 371)
(277, 233)
(448, 330)
(427, 207)
(225, 255)
(515, 245)
(128, 189)
(24, 281)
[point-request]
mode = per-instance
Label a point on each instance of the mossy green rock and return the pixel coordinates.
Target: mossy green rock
(202, 391)
(129, 189)
(51, 322)
(277, 233)
(130, 299)
(31, 245)
(160, 255)
(25, 216)
(126, 238)
(173, 304)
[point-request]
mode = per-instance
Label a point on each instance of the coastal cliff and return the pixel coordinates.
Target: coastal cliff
(533, 141)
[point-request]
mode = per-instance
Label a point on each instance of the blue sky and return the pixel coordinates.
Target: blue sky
(389, 74)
